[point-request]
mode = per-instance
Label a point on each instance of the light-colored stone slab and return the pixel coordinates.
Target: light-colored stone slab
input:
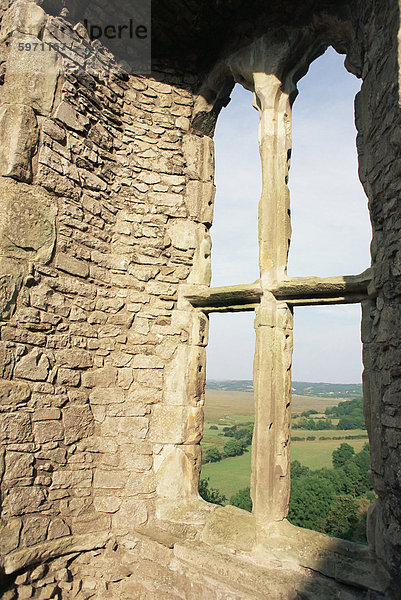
(18, 140)
(31, 76)
(47, 550)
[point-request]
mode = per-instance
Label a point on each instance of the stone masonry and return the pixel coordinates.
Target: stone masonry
(106, 201)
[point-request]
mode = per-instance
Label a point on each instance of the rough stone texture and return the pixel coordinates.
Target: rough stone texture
(27, 234)
(106, 201)
(19, 137)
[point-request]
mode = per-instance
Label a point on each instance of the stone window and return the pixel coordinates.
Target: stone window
(274, 295)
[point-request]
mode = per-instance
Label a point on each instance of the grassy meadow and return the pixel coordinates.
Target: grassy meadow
(226, 408)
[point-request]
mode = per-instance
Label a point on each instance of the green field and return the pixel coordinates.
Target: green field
(226, 408)
(233, 474)
(222, 406)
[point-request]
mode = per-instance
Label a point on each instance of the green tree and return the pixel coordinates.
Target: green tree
(210, 494)
(351, 422)
(213, 455)
(310, 501)
(234, 448)
(343, 517)
(359, 534)
(355, 478)
(341, 455)
(297, 469)
(230, 431)
(362, 460)
(242, 499)
(245, 434)
(337, 478)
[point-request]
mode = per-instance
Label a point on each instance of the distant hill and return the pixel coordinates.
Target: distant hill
(244, 385)
(301, 388)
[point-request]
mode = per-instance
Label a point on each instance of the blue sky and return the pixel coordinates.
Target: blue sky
(331, 229)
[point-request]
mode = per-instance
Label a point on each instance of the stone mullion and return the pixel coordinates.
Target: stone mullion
(274, 206)
(273, 323)
(270, 485)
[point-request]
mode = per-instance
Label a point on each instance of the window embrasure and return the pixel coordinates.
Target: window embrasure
(274, 294)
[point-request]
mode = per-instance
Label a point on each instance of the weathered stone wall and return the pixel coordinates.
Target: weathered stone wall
(106, 200)
(95, 239)
(378, 122)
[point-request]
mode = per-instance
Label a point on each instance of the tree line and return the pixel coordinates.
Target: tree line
(242, 438)
(333, 501)
(349, 414)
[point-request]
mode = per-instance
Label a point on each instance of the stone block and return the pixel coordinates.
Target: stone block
(78, 422)
(201, 272)
(18, 140)
(35, 366)
(74, 359)
(154, 551)
(231, 527)
(15, 428)
(140, 483)
(132, 459)
(31, 77)
(45, 432)
(125, 378)
(71, 479)
(175, 471)
(183, 234)
(19, 501)
(54, 130)
(149, 378)
(9, 535)
(199, 156)
(113, 480)
(106, 396)
(46, 414)
(100, 444)
(200, 329)
(147, 395)
(6, 361)
(148, 361)
(184, 376)
(91, 181)
(196, 375)
(107, 504)
(68, 115)
(11, 279)
(68, 377)
(126, 429)
(176, 424)
(104, 377)
(18, 464)
(109, 261)
(24, 17)
(34, 530)
(57, 529)
(199, 199)
(14, 392)
(132, 513)
(27, 221)
(71, 265)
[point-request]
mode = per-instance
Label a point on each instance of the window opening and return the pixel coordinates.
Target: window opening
(331, 229)
(234, 230)
(327, 344)
(273, 297)
(228, 411)
(330, 489)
